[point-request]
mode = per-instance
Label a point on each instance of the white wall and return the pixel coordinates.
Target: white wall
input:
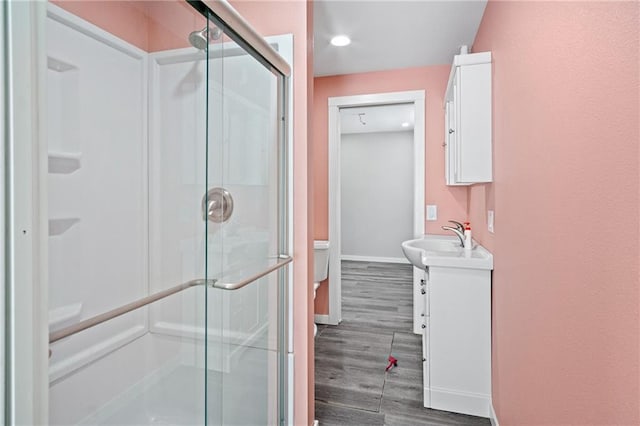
(97, 187)
(376, 193)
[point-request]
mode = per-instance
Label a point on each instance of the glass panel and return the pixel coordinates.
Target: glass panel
(243, 159)
(127, 134)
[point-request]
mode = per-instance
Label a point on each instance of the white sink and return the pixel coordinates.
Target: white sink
(445, 251)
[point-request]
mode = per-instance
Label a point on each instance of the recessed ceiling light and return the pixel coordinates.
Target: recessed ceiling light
(341, 40)
(405, 124)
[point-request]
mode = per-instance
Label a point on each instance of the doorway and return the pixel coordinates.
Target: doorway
(415, 100)
(376, 182)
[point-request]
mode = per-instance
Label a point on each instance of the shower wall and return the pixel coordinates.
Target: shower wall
(127, 134)
(97, 90)
(97, 188)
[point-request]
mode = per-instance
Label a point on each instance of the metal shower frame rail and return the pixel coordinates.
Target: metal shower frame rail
(236, 24)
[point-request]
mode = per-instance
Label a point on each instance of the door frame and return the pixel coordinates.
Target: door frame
(417, 98)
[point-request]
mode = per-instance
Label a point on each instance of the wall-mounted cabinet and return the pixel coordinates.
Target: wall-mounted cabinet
(468, 120)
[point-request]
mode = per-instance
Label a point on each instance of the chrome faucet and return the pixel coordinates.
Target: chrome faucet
(457, 232)
(458, 225)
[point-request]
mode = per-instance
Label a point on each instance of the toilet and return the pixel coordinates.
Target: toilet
(321, 267)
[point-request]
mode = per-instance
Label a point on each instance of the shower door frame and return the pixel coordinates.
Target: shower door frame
(25, 309)
(25, 320)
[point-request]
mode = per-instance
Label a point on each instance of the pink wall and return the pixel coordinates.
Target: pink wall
(150, 26)
(566, 198)
(283, 17)
(311, 383)
(169, 24)
(124, 19)
(451, 201)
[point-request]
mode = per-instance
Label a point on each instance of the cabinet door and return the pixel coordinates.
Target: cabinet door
(418, 299)
(468, 153)
(459, 340)
(472, 95)
(449, 141)
(452, 135)
(425, 292)
(426, 375)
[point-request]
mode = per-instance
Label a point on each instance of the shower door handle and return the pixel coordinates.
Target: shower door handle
(217, 205)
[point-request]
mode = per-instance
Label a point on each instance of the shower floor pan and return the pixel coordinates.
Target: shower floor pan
(176, 396)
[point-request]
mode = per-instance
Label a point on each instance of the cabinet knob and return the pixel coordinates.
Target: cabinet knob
(451, 131)
(422, 314)
(422, 281)
(424, 326)
(424, 359)
(423, 291)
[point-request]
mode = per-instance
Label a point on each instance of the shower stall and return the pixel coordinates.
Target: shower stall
(166, 216)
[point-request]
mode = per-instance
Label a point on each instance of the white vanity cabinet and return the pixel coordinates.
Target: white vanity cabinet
(452, 311)
(419, 297)
(456, 340)
(424, 326)
(468, 120)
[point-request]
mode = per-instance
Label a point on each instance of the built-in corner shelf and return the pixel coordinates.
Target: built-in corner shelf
(64, 162)
(59, 66)
(60, 226)
(64, 315)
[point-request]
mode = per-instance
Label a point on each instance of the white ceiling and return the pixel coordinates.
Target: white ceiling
(383, 118)
(391, 34)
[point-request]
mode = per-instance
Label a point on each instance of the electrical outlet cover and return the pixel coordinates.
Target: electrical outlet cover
(432, 212)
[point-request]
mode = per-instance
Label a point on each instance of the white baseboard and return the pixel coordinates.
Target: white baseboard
(321, 319)
(461, 402)
(492, 416)
(374, 259)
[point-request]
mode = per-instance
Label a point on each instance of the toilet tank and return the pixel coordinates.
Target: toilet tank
(321, 260)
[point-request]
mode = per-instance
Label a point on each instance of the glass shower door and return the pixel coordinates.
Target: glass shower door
(245, 250)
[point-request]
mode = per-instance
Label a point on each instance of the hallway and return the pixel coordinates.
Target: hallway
(351, 385)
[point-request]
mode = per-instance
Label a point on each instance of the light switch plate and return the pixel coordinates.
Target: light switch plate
(490, 219)
(432, 212)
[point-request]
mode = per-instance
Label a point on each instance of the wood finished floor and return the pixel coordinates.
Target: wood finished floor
(352, 387)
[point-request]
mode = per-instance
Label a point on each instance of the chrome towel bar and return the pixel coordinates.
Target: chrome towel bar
(106, 316)
(282, 260)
